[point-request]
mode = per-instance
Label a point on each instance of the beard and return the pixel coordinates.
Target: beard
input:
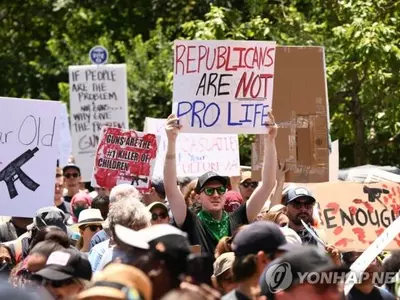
(302, 216)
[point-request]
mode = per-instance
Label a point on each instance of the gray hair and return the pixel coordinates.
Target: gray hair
(129, 213)
(124, 191)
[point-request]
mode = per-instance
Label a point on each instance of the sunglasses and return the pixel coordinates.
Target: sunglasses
(59, 283)
(210, 191)
(252, 184)
(93, 228)
(155, 216)
(307, 205)
(70, 175)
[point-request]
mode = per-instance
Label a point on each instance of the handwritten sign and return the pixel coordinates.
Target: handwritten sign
(29, 145)
(356, 214)
(98, 97)
(65, 145)
(125, 156)
(223, 86)
(197, 153)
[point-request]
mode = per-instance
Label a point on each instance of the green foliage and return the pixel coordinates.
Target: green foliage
(41, 38)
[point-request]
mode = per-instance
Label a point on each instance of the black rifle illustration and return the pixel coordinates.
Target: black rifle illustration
(12, 172)
(374, 194)
(135, 180)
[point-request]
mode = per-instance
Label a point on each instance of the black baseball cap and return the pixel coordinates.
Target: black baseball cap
(260, 236)
(66, 264)
(295, 193)
(209, 176)
(71, 166)
(307, 259)
(158, 185)
(49, 216)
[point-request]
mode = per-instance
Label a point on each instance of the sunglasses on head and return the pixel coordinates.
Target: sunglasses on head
(69, 175)
(307, 205)
(92, 228)
(209, 191)
(248, 184)
(155, 216)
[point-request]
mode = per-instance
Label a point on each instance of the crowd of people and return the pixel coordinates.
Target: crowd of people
(211, 237)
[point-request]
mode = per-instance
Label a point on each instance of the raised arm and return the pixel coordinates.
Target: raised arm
(261, 194)
(174, 195)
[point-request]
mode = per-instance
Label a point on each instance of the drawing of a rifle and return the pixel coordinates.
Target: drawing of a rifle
(374, 193)
(12, 172)
(135, 180)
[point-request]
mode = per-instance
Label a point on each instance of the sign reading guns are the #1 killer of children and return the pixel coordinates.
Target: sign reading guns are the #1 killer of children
(98, 97)
(29, 147)
(125, 156)
(223, 86)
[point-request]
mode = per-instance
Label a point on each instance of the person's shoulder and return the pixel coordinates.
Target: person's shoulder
(385, 294)
(230, 296)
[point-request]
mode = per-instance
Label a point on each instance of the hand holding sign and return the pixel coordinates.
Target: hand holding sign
(172, 127)
(272, 127)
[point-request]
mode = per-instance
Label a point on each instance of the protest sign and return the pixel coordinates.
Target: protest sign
(125, 156)
(98, 97)
(197, 154)
(301, 111)
(223, 86)
(29, 145)
(355, 214)
(65, 145)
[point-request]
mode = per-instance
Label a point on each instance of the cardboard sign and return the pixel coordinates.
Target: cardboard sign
(197, 153)
(125, 156)
(65, 145)
(355, 214)
(98, 97)
(29, 147)
(301, 112)
(223, 86)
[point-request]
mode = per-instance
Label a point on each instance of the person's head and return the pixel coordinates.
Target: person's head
(391, 265)
(157, 192)
(167, 257)
(119, 281)
(124, 191)
(233, 201)
(211, 189)
(300, 204)
(103, 204)
(223, 276)
(102, 192)
(65, 273)
(255, 246)
(72, 177)
(80, 202)
(190, 195)
(159, 213)
(224, 245)
(38, 255)
(277, 216)
(292, 264)
(48, 216)
(90, 222)
(184, 182)
(50, 233)
(59, 185)
(128, 213)
(375, 267)
(247, 185)
(7, 260)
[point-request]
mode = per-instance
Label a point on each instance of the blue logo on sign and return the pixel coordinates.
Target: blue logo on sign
(98, 55)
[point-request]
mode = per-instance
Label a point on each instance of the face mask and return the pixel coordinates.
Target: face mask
(77, 210)
(5, 268)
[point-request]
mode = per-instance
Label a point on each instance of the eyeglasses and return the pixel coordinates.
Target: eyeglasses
(298, 205)
(59, 283)
(210, 191)
(155, 216)
(248, 184)
(93, 228)
(69, 175)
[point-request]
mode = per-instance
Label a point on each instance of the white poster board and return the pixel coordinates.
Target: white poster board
(223, 86)
(65, 145)
(98, 97)
(29, 145)
(334, 162)
(197, 153)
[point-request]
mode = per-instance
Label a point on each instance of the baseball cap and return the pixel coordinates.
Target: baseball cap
(260, 236)
(158, 185)
(223, 263)
(66, 264)
(245, 175)
(306, 259)
(49, 216)
(157, 204)
(71, 166)
(209, 176)
(119, 281)
(233, 200)
(296, 193)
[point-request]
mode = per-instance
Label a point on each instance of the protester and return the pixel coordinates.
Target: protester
(247, 186)
(233, 201)
(391, 264)
(13, 228)
(223, 276)
(159, 213)
(212, 222)
(79, 202)
(277, 216)
(72, 176)
(59, 194)
(157, 192)
(90, 222)
(103, 203)
(100, 191)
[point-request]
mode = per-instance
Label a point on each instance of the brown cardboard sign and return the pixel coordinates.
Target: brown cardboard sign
(355, 214)
(300, 107)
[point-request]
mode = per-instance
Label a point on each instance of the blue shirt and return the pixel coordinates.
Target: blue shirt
(96, 254)
(99, 237)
